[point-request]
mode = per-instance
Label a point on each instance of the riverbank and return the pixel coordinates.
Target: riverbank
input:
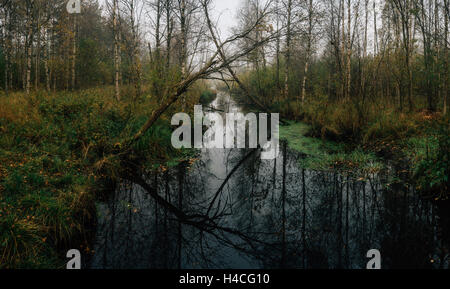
(424, 156)
(322, 154)
(59, 153)
(348, 135)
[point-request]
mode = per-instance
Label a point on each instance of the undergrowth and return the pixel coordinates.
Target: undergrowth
(57, 152)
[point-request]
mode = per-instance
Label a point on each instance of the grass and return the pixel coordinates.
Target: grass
(344, 135)
(324, 154)
(430, 158)
(58, 152)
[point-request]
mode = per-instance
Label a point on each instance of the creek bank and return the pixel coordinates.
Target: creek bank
(420, 160)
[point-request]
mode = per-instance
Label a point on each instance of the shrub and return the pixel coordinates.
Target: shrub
(207, 97)
(430, 157)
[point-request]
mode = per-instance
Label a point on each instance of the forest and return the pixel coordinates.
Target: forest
(86, 160)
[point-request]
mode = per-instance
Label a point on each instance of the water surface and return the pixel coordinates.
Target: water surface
(266, 214)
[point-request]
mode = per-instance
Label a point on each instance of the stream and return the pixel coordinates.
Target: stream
(266, 214)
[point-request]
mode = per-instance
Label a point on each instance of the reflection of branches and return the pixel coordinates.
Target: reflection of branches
(203, 221)
(228, 178)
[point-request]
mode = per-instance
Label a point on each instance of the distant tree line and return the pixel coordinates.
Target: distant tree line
(42, 46)
(390, 50)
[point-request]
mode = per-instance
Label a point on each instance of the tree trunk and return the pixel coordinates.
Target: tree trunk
(288, 51)
(116, 50)
(446, 72)
(308, 49)
(363, 69)
(158, 27)
(183, 51)
(375, 29)
(74, 52)
(409, 55)
(6, 46)
(46, 60)
(349, 49)
(134, 51)
(437, 51)
(278, 40)
(38, 50)
(343, 51)
(169, 24)
(28, 48)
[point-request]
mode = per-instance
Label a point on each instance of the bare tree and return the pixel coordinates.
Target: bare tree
(74, 51)
(446, 13)
(288, 49)
(404, 8)
(215, 64)
(7, 42)
(309, 41)
(134, 11)
(29, 7)
(117, 50)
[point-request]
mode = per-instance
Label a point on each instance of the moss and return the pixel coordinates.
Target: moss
(323, 154)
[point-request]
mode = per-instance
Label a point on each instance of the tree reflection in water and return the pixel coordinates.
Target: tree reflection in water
(233, 210)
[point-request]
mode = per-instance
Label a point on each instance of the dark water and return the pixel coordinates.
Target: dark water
(267, 214)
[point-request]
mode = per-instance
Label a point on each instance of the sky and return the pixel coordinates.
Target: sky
(223, 10)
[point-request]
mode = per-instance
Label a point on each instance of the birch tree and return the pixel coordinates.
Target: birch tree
(117, 50)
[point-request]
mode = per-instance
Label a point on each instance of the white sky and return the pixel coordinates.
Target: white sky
(223, 10)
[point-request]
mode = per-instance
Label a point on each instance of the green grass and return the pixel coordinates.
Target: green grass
(423, 140)
(324, 154)
(429, 157)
